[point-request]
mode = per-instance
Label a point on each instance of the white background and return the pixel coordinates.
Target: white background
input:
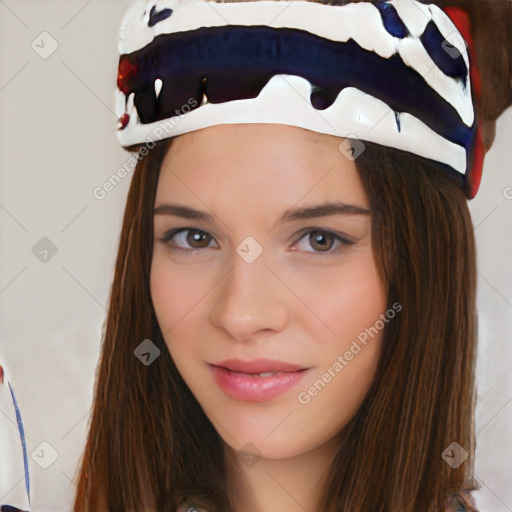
(57, 143)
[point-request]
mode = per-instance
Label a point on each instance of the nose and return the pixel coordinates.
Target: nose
(250, 300)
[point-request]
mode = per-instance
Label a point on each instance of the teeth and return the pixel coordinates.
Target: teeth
(205, 99)
(263, 374)
(158, 87)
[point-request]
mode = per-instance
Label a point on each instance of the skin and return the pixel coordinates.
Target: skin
(301, 301)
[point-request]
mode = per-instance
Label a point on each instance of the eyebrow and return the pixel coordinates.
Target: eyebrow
(310, 212)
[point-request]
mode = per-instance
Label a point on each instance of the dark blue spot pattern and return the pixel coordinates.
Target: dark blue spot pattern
(157, 17)
(447, 57)
(397, 119)
(392, 22)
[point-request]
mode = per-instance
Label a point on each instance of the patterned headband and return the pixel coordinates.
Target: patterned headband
(396, 73)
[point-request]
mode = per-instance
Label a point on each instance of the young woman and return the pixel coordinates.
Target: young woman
(292, 320)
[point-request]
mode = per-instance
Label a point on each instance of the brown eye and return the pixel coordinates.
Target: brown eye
(186, 238)
(321, 240)
(197, 239)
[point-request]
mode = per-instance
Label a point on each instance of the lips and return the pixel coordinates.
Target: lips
(261, 365)
(258, 380)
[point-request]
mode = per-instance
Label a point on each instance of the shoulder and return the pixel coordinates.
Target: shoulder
(461, 502)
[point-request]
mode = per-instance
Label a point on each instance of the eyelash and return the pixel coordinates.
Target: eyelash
(344, 241)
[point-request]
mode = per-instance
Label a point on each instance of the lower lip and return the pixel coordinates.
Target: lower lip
(242, 386)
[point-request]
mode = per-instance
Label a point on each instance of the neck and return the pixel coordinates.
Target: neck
(279, 485)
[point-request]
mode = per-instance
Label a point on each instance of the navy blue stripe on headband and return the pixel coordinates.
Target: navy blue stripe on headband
(235, 62)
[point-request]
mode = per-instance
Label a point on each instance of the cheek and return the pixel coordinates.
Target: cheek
(346, 360)
(347, 299)
(175, 291)
(178, 294)
(164, 295)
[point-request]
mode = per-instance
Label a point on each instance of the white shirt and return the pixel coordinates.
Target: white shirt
(14, 475)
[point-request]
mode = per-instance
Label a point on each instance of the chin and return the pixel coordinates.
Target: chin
(273, 434)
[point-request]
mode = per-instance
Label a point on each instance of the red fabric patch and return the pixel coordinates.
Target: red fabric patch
(462, 21)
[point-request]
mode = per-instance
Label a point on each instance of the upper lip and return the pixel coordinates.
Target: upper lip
(261, 365)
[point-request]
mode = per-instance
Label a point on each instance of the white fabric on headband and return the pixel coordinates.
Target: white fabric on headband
(166, 45)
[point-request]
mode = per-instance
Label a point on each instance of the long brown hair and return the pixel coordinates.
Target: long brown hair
(422, 398)
(149, 442)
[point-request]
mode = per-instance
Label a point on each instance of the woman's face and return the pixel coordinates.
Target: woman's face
(244, 273)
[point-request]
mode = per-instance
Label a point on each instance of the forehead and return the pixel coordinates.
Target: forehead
(258, 164)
